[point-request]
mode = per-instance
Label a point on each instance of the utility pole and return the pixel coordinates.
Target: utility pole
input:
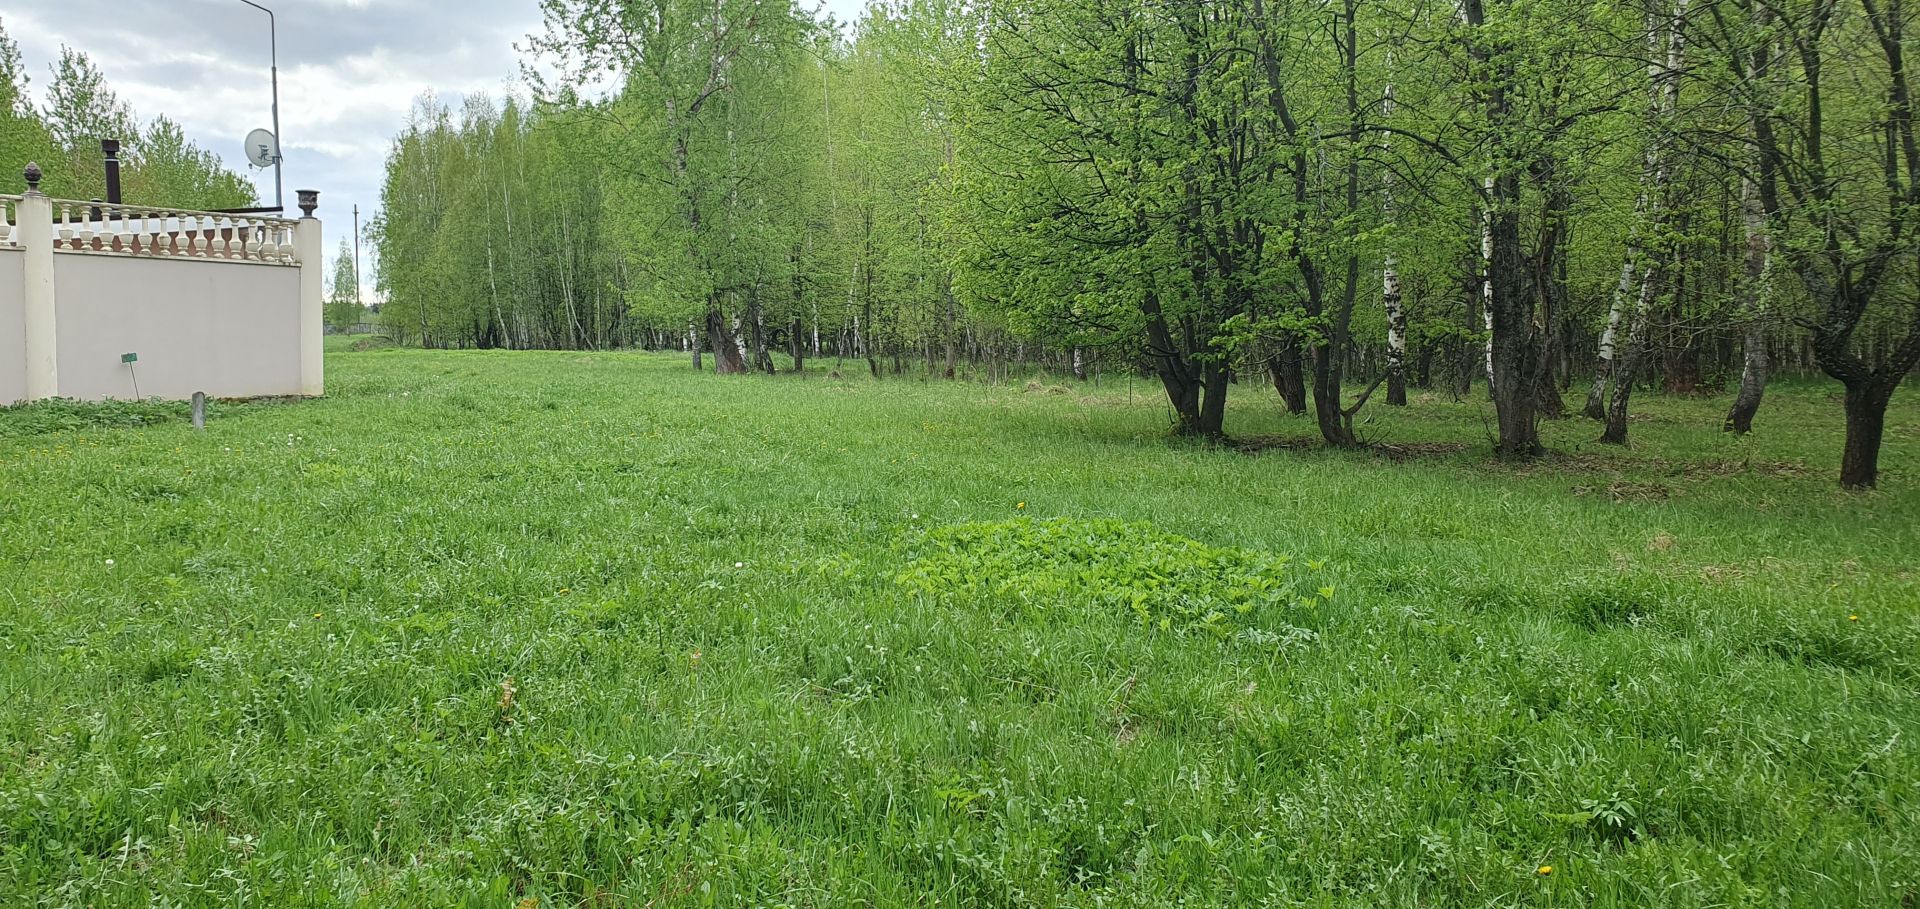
(273, 49)
(356, 252)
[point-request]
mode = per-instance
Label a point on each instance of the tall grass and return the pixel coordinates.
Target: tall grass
(590, 630)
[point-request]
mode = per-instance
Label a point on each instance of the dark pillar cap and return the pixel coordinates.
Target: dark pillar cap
(32, 173)
(309, 200)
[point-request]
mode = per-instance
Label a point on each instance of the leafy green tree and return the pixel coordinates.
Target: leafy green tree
(165, 168)
(697, 120)
(343, 309)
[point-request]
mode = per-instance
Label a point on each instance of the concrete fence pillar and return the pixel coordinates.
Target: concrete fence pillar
(35, 213)
(308, 248)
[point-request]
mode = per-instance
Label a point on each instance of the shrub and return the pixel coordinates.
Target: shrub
(1166, 581)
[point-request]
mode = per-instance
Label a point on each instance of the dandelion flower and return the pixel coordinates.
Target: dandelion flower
(1851, 618)
(1545, 870)
(1022, 505)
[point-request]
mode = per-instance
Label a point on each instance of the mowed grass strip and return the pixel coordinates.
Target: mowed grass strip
(591, 630)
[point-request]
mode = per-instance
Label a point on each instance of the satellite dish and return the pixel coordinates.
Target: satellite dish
(263, 149)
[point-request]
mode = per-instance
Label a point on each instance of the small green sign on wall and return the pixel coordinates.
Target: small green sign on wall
(129, 358)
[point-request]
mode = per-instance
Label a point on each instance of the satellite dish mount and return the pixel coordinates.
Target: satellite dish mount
(263, 146)
(263, 149)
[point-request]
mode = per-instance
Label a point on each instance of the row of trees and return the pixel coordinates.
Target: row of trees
(1537, 193)
(62, 134)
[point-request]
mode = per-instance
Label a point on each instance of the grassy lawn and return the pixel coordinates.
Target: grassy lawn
(588, 630)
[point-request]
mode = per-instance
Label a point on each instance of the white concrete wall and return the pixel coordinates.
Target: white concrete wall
(13, 330)
(230, 329)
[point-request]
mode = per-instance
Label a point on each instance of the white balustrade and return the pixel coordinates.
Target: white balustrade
(145, 232)
(9, 222)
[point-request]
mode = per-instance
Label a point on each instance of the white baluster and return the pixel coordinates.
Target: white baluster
(138, 241)
(66, 228)
(199, 239)
(254, 233)
(122, 231)
(87, 230)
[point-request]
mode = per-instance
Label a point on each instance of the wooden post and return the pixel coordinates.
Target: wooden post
(199, 410)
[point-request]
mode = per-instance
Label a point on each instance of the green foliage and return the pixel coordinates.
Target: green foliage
(160, 166)
(58, 415)
(1166, 581)
(343, 308)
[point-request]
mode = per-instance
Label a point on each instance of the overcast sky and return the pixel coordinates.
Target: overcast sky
(349, 71)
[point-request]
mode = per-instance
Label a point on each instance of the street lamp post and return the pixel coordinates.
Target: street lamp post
(273, 44)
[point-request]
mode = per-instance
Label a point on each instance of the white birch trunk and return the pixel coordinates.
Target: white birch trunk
(1486, 278)
(1390, 274)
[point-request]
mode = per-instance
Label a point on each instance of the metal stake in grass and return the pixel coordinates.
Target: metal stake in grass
(200, 410)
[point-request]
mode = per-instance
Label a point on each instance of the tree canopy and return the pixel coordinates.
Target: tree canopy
(1519, 194)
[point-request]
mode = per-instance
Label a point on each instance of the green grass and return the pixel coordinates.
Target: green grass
(591, 630)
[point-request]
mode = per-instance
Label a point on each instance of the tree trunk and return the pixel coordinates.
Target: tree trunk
(1627, 371)
(1513, 347)
(1551, 290)
(952, 313)
(1754, 368)
(1466, 353)
(762, 356)
(1213, 401)
(1663, 80)
(1390, 278)
(1753, 382)
(1615, 432)
(797, 345)
(1326, 398)
(1866, 405)
(1610, 339)
(1396, 335)
(1181, 380)
(1287, 377)
(727, 359)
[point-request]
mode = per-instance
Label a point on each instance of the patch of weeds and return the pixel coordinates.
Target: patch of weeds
(56, 415)
(1845, 649)
(167, 661)
(371, 342)
(1596, 603)
(1612, 820)
(1166, 581)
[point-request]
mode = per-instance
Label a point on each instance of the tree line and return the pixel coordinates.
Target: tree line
(1342, 198)
(161, 166)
